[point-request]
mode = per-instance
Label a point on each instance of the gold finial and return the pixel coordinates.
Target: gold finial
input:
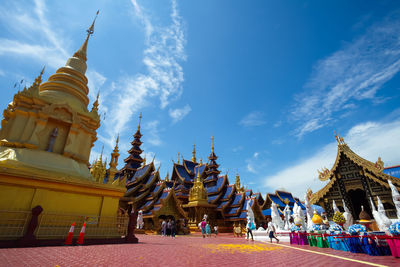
(212, 144)
(201, 161)
(198, 175)
(178, 158)
(194, 153)
(167, 177)
(140, 119)
(154, 157)
(101, 155)
(116, 142)
(96, 103)
(81, 53)
(144, 161)
(38, 79)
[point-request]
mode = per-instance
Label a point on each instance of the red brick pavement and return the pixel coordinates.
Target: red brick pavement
(185, 251)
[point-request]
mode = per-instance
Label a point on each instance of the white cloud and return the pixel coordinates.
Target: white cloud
(33, 26)
(349, 75)
(164, 50)
(255, 118)
(153, 133)
(369, 140)
(256, 154)
(179, 113)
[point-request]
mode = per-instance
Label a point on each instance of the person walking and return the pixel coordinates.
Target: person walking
(250, 227)
(208, 230)
(272, 232)
(163, 228)
(169, 227)
(173, 228)
(203, 227)
(216, 230)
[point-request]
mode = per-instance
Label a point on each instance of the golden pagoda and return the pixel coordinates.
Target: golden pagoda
(46, 137)
(113, 163)
(197, 194)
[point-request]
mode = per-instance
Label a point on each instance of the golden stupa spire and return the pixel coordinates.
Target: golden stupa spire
(140, 119)
(96, 103)
(194, 153)
(116, 142)
(38, 79)
(81, 53)
(212, 144)
(178, 158)
(101, 155)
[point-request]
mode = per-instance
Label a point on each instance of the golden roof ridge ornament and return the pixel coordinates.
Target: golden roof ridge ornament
(379, 164)
(212, 144)
(81, 53)
(324, 174)
(339, 139)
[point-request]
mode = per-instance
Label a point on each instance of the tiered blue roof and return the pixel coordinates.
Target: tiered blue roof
(267, 212)
(277, 201)
(223, 204)
(228, 191)
(232, 211)
(213, 189)
(163, 196)
(183, 173)
(190, 165)
(393, 171)
(286, 195)
(212, 198)
(237, 199)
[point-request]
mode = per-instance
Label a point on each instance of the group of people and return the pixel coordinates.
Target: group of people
(250, 226)
(205, 228)
(168, 228)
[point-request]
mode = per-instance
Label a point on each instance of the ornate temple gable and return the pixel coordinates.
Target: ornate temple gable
(169, 205)
(350, 167)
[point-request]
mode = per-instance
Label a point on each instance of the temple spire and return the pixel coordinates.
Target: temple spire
(194, 153)
(212, 144)
(140, 119)
(81, 53)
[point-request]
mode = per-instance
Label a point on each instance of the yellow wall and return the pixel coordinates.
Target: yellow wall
(83, 200)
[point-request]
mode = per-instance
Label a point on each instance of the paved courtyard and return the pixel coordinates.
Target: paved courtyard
(189, 251)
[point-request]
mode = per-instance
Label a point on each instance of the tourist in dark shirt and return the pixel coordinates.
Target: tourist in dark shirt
(173, 228)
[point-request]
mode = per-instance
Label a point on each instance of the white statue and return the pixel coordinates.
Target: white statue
(276, 219)
(347, 215)
(386, 222)
(335, 208)
(205, 217)
(302, 216)
(309, 212)
(286, 214)
(139, 221)
(396, 198)
(250, 213)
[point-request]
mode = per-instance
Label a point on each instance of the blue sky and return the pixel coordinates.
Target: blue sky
(271, 80)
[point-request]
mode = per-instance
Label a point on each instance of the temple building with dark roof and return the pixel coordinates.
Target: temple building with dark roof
(355, 180)
(193, 190)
